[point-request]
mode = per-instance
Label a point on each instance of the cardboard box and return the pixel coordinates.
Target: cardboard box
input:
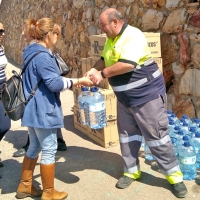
(107, 136)
(89, 63)
(110, 101)
(97, 43)
(77, 122)
(84, 66)
(76, 92)
(153, 40)
(159, 62)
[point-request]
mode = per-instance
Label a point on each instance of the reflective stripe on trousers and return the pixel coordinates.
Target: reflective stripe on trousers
(150, 120)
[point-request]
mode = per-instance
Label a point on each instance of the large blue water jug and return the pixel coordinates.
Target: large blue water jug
(96, 108)
(187, 161)
(82, 99)
(174, 142)
(195, 142)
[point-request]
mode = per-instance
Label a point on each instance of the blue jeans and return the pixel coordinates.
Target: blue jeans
(44, 140)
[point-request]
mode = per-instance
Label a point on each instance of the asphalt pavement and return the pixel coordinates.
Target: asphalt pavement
(86, 170)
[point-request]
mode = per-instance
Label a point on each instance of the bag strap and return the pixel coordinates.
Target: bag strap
(26, 65)
(33, 91)
(38, 84)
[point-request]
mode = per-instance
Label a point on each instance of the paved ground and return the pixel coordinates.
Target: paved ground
(86, 170)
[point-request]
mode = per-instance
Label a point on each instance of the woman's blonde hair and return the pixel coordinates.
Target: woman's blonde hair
(39, 29)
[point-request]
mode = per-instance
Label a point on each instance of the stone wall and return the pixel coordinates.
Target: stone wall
(176, 20)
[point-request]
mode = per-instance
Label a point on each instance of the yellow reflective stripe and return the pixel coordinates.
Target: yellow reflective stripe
(171, 171)
(174, 178)
(130, 139)
(135, 175)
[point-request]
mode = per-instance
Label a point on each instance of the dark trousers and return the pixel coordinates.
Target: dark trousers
(5, 122)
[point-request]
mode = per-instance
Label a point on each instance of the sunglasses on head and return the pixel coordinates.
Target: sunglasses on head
(2, 31)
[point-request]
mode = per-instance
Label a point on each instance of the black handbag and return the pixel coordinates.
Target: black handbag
(64, 69)
(12, 95)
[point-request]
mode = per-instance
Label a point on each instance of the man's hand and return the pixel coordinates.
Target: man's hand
(96, 77)
(90, 72)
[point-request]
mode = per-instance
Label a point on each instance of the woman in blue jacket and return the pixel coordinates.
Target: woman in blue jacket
(43, 114)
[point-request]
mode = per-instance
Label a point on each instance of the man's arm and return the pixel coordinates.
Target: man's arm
(117, 69)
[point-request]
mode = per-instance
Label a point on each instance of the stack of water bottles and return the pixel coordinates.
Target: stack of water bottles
(185, 137)
(92, 108)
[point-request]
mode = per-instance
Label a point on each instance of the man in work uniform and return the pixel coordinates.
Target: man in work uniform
(141, 107)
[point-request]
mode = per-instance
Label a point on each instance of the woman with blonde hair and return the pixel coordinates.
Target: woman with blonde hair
(43, 114)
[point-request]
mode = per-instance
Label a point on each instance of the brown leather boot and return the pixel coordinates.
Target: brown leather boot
(26, 188)
(47, 176)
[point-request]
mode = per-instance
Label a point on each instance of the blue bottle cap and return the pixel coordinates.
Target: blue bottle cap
(185, 124)
(185, 138)
(192, 129)
(177, 128)
(171, 122)
(182, 120)
(173, 139)
(180, 132)
(186, 144)
(173, 115)
(185, 117)
(197, 134)
(94, 89)
(83, 88)
(169, 112)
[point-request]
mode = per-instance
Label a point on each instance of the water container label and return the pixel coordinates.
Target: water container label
(97, 107)
(188, 160)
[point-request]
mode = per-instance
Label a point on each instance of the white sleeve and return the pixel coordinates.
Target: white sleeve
(67, 83)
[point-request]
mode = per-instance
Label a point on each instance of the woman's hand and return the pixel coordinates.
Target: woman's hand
(85, 81)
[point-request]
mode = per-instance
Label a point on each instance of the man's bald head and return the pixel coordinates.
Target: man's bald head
(110, 14)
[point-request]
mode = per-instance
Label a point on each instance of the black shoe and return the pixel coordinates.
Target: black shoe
(61, 145)
(180, 190)
(1, 164)
(124, 182)
(21, 152)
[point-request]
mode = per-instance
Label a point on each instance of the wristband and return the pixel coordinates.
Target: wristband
(102, 74)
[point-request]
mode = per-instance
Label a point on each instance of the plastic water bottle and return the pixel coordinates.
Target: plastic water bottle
(82, 99)
(187, 119)
(181, 140)
(97, 109)
(174, 133)
(171, 126)
(181, 121)
(143, 142)
(147, 153)
(198, 128)
(187, 161)
(195, 142)
(185, 127)
(192, 131)
(169, 112)
(174, 142)
(174, 118)
(195, 122)
(176, 129)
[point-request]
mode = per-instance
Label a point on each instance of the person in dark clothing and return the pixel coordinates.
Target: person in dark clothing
(5, 122)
